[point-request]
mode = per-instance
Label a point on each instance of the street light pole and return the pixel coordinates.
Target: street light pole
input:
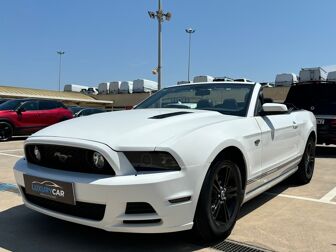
(189, 31)
(160, 16)
(59, 69)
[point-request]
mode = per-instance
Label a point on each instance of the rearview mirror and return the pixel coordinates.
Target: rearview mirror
(273, 109)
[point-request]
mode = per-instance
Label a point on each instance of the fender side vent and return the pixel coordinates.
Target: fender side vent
(180, 200)
(169, 115)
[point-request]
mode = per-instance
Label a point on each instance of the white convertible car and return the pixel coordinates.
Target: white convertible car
(186, 158)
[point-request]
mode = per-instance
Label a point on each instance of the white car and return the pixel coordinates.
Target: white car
(158, 169)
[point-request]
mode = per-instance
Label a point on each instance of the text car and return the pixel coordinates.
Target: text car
(186, 158)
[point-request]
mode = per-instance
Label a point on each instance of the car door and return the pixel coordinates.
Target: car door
(279, 140)
(28, 117)
(48, 112)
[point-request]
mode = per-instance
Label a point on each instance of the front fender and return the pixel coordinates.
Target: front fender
(200, 147)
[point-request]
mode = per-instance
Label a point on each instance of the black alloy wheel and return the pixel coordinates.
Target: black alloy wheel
(6, 131)
(306, 166)
(219, 203)
(224, 196)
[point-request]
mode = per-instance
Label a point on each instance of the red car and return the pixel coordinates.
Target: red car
(26, 116)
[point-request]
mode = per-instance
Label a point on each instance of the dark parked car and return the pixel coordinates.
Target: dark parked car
(3, 100)
(319, 98)
(88, 111)
(26, 116)
(75, 109)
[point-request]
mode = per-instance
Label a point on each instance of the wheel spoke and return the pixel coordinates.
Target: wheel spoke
(232, 192)
(217, 182)
(216, 210)
(227, 176)
(215, 189)
(226, 213)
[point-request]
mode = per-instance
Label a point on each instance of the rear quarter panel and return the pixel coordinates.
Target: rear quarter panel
(307, 124)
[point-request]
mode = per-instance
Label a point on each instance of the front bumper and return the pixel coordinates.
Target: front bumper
(115, 192)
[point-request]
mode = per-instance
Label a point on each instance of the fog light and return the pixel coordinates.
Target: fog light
(98, 160)
(37, 153)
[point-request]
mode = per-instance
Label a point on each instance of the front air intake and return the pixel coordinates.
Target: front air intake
(139, 208)
(152, 221)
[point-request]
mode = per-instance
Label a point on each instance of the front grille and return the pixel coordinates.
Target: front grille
(66, 158)
(81, 209)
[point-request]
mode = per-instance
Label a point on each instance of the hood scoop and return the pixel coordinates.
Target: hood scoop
(169, 115)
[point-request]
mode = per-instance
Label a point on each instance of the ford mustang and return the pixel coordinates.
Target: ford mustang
(187, 157)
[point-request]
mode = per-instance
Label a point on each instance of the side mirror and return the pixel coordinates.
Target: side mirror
(273, 109)
(20, 110)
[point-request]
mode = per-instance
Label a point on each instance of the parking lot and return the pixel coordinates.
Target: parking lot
(286, 218)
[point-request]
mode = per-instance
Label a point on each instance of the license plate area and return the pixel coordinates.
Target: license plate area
(50, 189)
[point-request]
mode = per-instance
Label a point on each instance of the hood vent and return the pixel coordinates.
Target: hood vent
(169, 115)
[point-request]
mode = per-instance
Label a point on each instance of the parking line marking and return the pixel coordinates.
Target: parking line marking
(330, 195)
(7, 187)
(10, 155)
(302, 198)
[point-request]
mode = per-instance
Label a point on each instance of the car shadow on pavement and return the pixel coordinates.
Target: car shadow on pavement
(265, 197)
(323, 151)
(23, 229)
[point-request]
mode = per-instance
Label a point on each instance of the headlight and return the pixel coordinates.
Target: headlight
(37, 153)
(152, 161)
(98, 160)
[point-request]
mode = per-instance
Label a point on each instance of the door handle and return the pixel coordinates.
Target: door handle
(295, 126)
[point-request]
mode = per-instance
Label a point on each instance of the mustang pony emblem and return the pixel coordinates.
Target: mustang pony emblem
(62, 157)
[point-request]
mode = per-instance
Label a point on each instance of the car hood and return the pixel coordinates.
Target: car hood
(134, 129)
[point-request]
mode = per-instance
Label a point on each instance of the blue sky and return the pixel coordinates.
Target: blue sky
(106, 40)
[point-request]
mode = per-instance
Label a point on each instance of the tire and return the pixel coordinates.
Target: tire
(6, 131)
(219, 202)
(306, 166)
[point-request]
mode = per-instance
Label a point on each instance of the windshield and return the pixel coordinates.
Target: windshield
(230, 99)
(10, 105)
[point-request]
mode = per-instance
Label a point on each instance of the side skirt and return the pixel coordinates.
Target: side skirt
(266, 181)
